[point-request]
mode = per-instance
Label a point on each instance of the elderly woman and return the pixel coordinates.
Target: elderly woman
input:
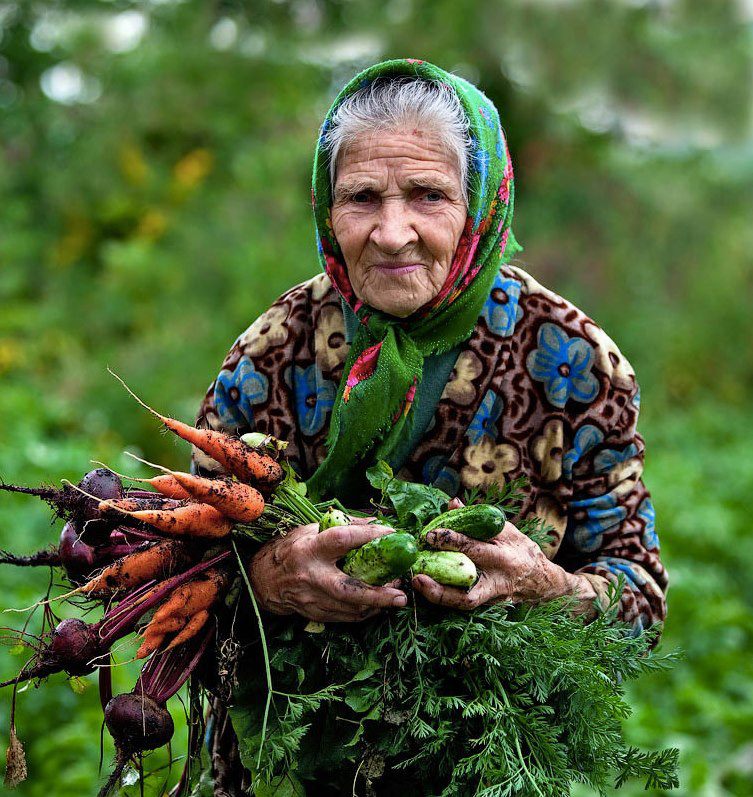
(421, 345)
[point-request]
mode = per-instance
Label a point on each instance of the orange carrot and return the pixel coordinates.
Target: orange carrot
(157, 561)
(165, 484)
(192, 627)
(235, 499)
(169, 487)
(135, 504)
(188, 519)
(183, 604)
(244, 462)
(241, 460)
(193, 520)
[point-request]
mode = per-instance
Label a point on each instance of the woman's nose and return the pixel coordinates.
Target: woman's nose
(394, 228)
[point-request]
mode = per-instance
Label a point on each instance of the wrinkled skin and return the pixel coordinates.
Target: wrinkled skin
(298, 574)
(511, 568)
(398, 214)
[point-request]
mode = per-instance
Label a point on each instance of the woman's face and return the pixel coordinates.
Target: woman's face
(397, 213)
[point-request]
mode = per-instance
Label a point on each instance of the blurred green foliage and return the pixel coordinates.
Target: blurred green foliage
(154, 181)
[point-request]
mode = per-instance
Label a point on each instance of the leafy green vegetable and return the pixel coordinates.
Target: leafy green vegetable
(414, 504)
(500, 702)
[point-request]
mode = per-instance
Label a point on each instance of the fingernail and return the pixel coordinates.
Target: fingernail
(401, 600)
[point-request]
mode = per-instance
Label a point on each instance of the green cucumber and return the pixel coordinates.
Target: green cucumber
(451, 568)
(382, 559)
(331, 518)
(480, 521)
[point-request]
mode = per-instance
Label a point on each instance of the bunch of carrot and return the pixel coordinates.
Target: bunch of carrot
(159, 561)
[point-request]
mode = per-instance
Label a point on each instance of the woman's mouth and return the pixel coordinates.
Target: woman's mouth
(397, 268)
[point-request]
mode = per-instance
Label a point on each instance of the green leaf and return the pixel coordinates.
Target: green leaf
(415, 504)
(379, 475)
(360, 700)
(285, 786)
(78, 685)
(367, 671)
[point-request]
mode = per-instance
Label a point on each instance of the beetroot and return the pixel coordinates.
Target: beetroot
(78, 558)
(72, 648)
(71, 504)
(74, 645)
(137, 722)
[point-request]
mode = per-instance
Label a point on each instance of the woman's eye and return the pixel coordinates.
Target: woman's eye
(433, 196)
(360, 197)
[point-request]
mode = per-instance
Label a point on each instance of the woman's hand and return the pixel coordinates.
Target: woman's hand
(298, 574)
(511, 568)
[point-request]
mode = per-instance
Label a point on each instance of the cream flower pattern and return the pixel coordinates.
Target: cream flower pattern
(547, 450)
(329, 338)
(269, 329)
(320, 286)
(549, 511)
(609, 358)
(487, 463)
(460, 387)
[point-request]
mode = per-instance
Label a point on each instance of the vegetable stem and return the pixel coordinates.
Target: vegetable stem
(265, 651)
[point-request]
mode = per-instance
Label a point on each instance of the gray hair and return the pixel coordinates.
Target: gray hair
(395, 104)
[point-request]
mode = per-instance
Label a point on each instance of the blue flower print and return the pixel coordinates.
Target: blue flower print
(597, 515)
(235, 393)
(647, 514)
(314, 398)
(564, 365)
(605, 460)
(636, 400)
(484, 422)
(502, 309)
(437, 474)
(586, 438)
(621, 567)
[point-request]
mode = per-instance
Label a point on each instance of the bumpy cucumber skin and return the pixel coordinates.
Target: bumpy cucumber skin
(331, 518)
(480, 521)
(451, 568)
(382, 559)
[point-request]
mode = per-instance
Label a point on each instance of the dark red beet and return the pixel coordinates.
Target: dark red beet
(74, 646)
(102, 483)
(136, 723)
(78, 558)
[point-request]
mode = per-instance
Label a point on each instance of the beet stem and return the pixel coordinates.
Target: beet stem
(120, 761)
(47, 557)
(45, 493)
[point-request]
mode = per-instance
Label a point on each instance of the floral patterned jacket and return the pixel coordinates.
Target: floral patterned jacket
(538, 390)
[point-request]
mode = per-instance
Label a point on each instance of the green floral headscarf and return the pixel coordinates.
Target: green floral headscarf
(385, 362)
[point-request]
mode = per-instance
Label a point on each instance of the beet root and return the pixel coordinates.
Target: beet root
(74, 646)
(137, 722)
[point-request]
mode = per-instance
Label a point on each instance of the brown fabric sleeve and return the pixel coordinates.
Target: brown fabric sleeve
(610, 532)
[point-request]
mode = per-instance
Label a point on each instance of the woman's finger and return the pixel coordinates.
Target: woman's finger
(481, 553)
(451, 597)
(334, 543)
(353, 592)
(334, 612)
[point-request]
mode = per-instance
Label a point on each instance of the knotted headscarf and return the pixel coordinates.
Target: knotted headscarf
(385, 363)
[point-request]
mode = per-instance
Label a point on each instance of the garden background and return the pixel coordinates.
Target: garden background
(154, 198)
